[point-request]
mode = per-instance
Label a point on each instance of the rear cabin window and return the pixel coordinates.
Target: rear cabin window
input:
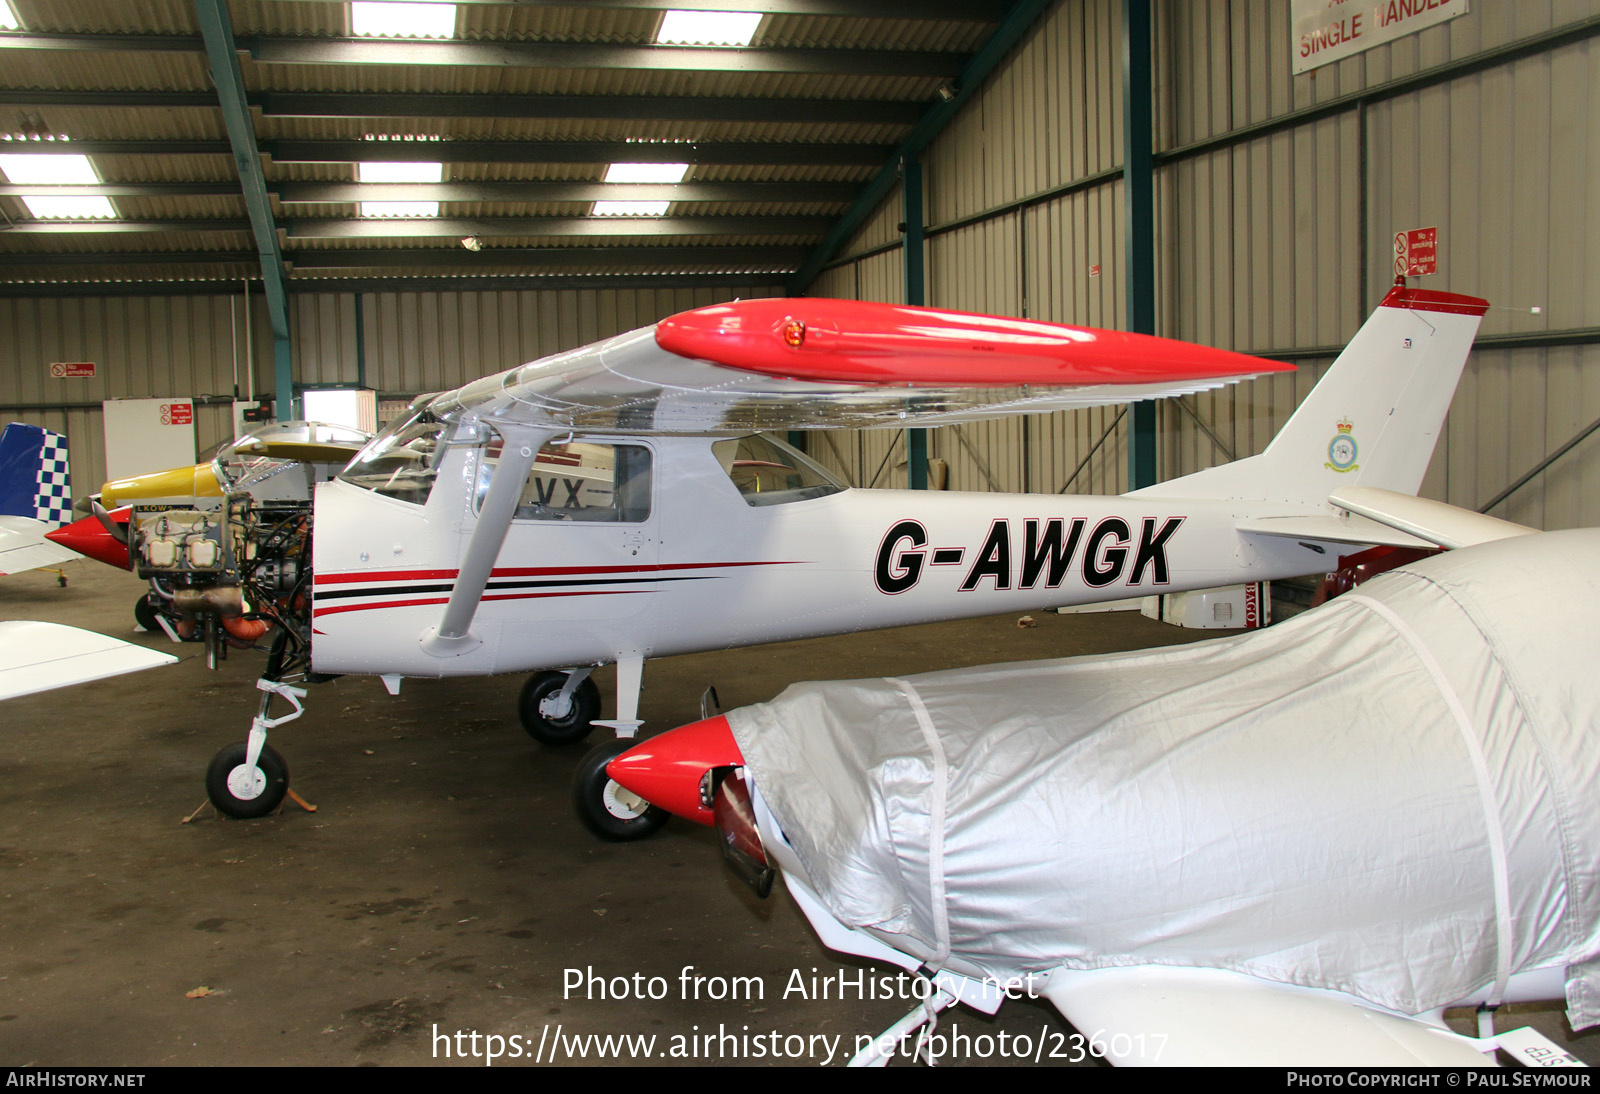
(767, 471)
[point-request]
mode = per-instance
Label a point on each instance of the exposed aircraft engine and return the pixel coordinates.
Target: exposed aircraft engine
(228, 572)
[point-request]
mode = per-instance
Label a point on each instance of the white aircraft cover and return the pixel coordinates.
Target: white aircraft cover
(1392, 796)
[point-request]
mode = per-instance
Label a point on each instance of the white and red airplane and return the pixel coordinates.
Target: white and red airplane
(620, 502)
(1294, 847)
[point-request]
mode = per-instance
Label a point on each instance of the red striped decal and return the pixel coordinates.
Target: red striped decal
(527, 571)
(336, 609)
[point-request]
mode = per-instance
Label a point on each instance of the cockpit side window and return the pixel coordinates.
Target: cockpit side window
(580, 481)
(769, 472)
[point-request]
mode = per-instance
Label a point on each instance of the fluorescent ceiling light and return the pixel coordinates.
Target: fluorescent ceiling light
(70, 208)
(399, 172)
(630, 208)
(390, 19)
(647, 172)
(708, 28)
(400, 209)
(48, 169)
(57, 169)
(8, 18)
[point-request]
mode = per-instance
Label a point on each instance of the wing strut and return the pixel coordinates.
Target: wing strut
(453, 637)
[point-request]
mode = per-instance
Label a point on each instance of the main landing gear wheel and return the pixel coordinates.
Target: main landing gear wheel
(605, 808)
(539, 708)
(245, 793)
(144, 614)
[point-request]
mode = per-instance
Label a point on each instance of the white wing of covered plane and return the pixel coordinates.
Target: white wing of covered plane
(38, 657)
(801, 363)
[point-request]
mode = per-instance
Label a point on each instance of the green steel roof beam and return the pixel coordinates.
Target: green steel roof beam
(1139, 209)
(217, 30)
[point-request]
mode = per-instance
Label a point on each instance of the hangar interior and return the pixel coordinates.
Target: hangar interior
(1147, 165)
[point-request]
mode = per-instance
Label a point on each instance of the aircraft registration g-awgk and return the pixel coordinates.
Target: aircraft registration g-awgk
(621, 502)
(1294, 847)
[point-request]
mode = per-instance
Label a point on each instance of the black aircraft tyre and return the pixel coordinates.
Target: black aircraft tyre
(144, 614)
(605, 808)
(243, 796)
(571, 727)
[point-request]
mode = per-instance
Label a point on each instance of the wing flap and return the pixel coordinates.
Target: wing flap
(43, 656)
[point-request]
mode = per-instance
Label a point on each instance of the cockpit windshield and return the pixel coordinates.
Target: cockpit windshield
(769, 472)
(403, 461)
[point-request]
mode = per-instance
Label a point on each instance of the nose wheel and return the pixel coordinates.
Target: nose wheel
(245, 791)
(606, 808)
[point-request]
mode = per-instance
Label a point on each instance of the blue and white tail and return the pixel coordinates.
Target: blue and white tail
(35, 481)
(1371, 421)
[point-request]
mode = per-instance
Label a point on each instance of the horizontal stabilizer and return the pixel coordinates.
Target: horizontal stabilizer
(1333, 528)
(43, 656)
(1436, 522)
(23, 545)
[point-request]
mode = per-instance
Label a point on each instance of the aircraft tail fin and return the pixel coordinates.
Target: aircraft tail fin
(1371, 421)
(35, 480)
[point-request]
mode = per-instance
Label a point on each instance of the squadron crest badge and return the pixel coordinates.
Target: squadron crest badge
(1342, 450)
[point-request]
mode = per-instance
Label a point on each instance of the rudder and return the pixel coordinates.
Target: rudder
(35, 479)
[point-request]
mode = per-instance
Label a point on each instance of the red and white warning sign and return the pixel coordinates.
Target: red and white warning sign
(1416, 252)
(59, 369)
(177, 414)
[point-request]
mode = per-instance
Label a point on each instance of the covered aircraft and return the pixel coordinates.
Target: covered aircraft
(1293, 847)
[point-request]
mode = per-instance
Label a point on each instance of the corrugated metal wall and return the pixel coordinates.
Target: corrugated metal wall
(1268, 254)
(141, 346)
(1280, 241)
(152, 346)
(1049, 120)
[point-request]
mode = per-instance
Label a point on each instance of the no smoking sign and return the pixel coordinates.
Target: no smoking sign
(1416, 252)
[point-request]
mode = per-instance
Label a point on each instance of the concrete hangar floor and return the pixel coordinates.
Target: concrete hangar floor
(442, 888)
